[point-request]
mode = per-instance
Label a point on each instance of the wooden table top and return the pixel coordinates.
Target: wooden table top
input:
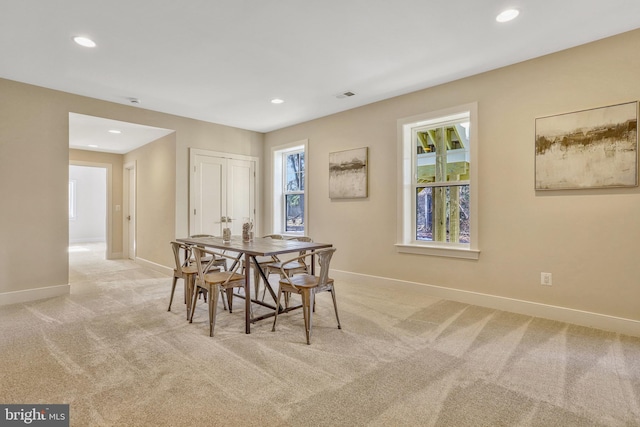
(260, 246)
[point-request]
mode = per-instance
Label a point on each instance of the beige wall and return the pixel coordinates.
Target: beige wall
(89, 158)
(34, 169)
(155, 191)
(34, 173)
(587, 239)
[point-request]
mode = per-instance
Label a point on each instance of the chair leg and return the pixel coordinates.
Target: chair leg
(275, 317)
(224, 300)
(335, 306)
(189, 283)
(264, 290)
(194, 298)
(287, 299)
(186, 298)
(213, 303)
(287, 295)
(173, 290)
(229, 292)
(307, 302)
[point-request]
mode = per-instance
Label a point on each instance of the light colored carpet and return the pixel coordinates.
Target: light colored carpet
(113, 352)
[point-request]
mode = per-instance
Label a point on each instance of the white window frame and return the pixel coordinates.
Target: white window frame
(278, 154)
(406, 231)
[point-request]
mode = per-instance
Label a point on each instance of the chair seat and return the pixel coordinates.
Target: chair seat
(190, 269)
(220, 277)
(303, 281)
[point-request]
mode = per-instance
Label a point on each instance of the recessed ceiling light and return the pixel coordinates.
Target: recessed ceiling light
(84, 41)
(92, 146)
(115, 131)
(507, 15)
(277, 101)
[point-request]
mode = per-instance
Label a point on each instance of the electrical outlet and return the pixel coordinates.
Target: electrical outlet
(545, 279)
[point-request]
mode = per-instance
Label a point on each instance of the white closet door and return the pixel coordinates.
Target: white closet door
(220, 187)
(240, 192)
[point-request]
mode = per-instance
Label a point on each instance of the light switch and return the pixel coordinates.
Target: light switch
(117, 208)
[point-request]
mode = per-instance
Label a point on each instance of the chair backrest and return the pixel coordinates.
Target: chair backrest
(195, 236)
(199, 253)
(302, 239)
(324, 258)
(177, 246)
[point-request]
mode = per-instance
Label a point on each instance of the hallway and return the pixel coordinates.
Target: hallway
(89, 270)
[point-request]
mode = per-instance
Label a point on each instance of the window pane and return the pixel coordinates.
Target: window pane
(442, 214)
(442, 153)
(301, 177)
(294, 206)
(293, 179)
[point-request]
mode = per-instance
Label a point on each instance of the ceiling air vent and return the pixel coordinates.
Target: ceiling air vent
(345, 95)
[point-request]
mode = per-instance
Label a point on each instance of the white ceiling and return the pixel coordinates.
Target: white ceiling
(223, 61)
(85, 132)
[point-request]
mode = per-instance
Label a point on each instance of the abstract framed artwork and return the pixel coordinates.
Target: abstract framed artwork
(349, 173)
(596, 148)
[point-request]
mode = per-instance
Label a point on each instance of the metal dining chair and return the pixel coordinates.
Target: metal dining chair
(183, 270)
(212, 283)
(297, 267)
(307, 286)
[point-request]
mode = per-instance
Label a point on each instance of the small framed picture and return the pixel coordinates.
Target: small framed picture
(348, 174)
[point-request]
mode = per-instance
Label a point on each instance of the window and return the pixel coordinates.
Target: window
(437, 206)
(72, 199)
(289, 184)
(293, 191)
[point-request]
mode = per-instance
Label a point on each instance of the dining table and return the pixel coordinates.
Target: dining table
(249, 250)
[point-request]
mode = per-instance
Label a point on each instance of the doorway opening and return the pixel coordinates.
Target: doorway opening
(89, 231)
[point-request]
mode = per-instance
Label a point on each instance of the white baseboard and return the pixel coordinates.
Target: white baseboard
(561, 314)
(88, 240)
(115, 255)
(154, 266)
(26, 295)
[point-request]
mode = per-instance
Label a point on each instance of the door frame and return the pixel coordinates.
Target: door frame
(108, 229)
(193, 152)
(128, 169)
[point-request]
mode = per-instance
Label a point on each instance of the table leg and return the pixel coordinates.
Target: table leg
(247, 293)
(264, 277)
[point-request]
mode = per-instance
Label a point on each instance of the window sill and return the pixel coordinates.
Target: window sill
(463, 253)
